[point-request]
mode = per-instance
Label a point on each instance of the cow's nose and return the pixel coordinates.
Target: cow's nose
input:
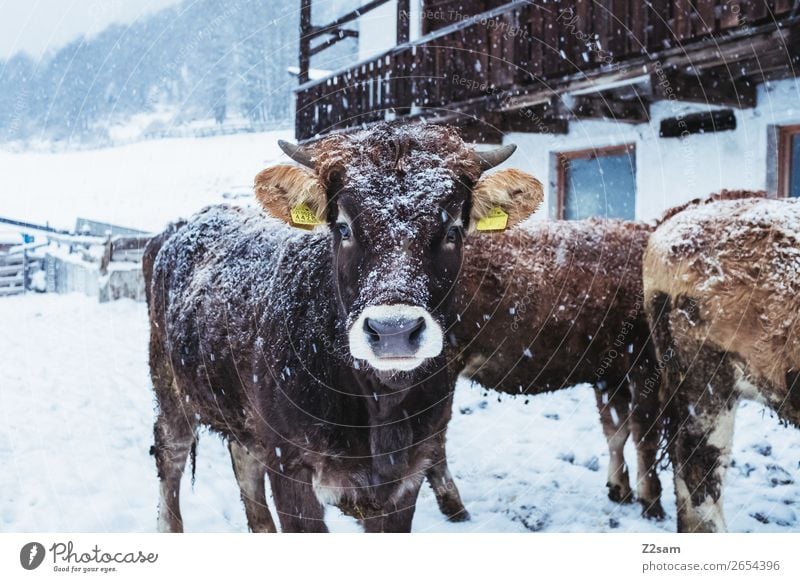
(396, 337)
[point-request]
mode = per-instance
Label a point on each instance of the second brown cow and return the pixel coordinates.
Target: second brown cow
(554, 304)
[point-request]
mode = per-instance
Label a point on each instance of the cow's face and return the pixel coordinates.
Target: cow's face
(399, 201)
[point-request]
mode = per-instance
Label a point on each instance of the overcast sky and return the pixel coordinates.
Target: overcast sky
(35, 26)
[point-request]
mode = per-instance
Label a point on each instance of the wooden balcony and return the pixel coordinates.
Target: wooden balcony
(525, 56)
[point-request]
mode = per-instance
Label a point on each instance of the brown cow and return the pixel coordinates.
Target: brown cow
(319, 356)
(722, 290)
(554, 304)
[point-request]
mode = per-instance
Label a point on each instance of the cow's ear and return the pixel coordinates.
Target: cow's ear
(503, 199)
(292, 194)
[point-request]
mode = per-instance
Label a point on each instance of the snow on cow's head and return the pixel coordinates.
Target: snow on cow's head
(399, 200)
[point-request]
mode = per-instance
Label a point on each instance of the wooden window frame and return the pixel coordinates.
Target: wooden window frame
(785, 135)
(585, 154)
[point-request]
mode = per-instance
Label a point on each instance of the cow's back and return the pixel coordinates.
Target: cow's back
(222, 289)
(730, 269)
(553, 304)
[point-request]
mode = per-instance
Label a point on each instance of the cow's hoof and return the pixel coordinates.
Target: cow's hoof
(462, 515)
(618, 494)
(652, 510)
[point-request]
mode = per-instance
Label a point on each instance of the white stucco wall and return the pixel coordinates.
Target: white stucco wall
(670, 171)
(378, 28)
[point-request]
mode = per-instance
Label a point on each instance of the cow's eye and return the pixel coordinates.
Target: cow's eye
(452, 234)
(344, 230)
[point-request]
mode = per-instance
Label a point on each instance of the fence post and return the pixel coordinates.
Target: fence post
(107, 255)
(24, 271)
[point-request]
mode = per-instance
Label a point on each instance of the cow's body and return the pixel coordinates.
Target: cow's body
(554, 304)
(273, 376)
(722, 284)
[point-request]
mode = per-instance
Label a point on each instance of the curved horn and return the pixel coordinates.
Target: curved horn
(299, 154)
(491, 158)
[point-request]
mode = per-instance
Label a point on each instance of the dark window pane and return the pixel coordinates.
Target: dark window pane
(794, 167)
(604, 187)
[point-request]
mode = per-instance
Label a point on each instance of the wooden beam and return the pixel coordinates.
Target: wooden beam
(714, 121)
(544, 118)
(486, 126)
(604, 106)
(710, 86)
(403, 21)
(338, 35)
(12, 290)
(305, 40)
(10, 270)
(480, 132)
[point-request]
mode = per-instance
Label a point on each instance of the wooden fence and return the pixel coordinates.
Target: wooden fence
(104, 261)
(107, 267)
(16, 268)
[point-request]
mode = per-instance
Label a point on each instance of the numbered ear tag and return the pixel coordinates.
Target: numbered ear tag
(497, 219)
(303, 216)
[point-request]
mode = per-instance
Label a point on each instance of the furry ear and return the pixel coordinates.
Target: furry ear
(283, 189)
(515, 193)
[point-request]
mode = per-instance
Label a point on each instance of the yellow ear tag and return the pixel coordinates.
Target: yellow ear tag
(496, 219)
(303, 216)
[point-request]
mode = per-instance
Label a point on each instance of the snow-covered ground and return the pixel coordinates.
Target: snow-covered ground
(76, 413)
(76, 408)
(143, 185)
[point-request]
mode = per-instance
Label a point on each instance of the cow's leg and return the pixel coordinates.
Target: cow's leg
(174, 440)
(443, 485)
(250, 471)
(397, 517)
(700, 456)
(173, 432)
(297, 505)
(645, 422)
(648, 485)
(614, 404)
(701, 411)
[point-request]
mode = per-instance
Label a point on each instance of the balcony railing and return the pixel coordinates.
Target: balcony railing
(518, 47)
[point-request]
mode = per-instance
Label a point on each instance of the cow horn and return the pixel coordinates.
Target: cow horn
(299, 154)
(491, 158)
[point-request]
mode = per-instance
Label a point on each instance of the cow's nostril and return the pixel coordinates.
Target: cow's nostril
(416, 331)
(372, 333)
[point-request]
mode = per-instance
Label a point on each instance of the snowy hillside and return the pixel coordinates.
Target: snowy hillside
(143, 185)
(76, 411)
(222, 63)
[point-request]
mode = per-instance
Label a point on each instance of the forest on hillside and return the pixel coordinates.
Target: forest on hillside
(202, 63)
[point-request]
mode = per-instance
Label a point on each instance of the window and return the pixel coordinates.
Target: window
(597, 182)
(789, 161)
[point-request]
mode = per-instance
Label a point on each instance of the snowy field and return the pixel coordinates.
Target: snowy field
(144, 185)
(76, 412)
